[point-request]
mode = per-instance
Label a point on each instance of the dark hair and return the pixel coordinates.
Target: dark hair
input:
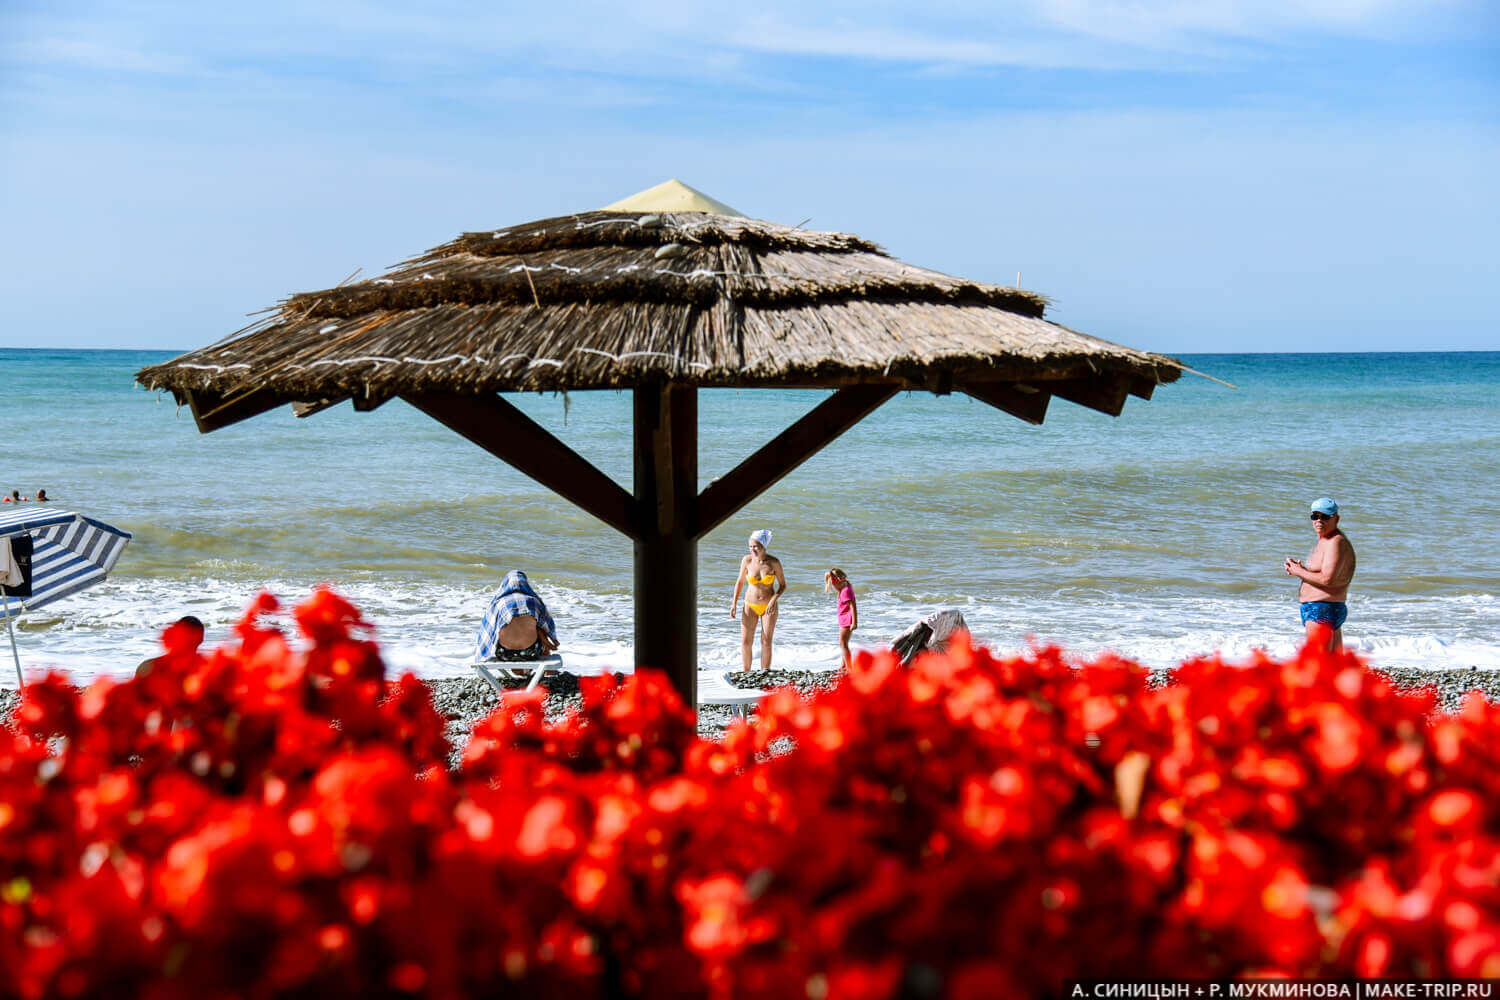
(190, 620)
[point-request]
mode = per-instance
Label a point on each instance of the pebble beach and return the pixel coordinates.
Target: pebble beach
(464, 701)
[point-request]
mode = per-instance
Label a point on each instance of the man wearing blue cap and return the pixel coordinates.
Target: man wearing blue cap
(1325, 574)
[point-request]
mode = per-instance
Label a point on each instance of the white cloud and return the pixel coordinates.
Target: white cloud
(891, 43)
(679, 38)
(299, 142)
(89, 54)
(1177, 231)
(1173, 24)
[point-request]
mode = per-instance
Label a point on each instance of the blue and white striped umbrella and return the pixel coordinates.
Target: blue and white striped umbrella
(69, 553)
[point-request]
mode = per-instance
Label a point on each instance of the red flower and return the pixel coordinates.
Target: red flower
(261, 820)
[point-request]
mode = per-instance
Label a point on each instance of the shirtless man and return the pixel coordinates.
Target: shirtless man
(184, 635)
(1325, 574)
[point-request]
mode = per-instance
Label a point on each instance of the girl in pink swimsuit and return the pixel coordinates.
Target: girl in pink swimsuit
(836, 579)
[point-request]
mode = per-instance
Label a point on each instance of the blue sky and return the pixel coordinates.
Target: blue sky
(1179, 175)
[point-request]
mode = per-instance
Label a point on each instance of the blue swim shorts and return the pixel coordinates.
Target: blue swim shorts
(1330, 613)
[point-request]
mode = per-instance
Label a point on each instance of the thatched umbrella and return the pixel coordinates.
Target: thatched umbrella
(659, 302)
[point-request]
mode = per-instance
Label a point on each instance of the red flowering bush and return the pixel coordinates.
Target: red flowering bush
(271, 820)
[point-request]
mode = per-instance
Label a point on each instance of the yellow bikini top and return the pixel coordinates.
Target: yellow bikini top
(761, 581)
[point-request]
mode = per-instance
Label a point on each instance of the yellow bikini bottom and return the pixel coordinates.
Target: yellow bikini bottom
(759, 609)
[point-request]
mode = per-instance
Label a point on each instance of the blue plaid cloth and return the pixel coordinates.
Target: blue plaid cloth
(515, 598)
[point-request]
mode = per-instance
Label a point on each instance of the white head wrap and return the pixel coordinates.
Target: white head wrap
(763, 536)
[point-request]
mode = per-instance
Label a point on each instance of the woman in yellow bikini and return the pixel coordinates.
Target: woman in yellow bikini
(762, 572)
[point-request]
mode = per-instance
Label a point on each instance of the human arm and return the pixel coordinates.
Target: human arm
(739, 584)
(1300, 569)
(1329, 566)
(780, 582)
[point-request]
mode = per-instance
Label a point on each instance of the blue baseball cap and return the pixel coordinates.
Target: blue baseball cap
(1325, 505)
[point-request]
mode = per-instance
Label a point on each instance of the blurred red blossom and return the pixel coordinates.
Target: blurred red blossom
(275, 818)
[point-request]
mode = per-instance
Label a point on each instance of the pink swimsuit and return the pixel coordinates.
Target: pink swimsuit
(846, 605)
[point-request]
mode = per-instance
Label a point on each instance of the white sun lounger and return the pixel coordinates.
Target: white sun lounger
(714, 689)
(491, 670)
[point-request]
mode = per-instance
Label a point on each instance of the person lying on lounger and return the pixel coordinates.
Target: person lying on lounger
(517, 626)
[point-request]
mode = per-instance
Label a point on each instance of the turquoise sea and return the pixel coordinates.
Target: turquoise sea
(1159, 534)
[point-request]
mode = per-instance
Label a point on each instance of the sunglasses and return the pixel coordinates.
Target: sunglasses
(1318, 515)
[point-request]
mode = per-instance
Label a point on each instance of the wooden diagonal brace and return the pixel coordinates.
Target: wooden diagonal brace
(786, 451)
(513, 437)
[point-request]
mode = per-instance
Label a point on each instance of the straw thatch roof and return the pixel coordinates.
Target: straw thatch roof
(611, 299)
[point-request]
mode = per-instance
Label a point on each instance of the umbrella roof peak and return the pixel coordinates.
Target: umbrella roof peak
(672, 196)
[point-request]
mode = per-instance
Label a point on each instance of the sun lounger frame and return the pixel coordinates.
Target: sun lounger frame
(714, 687)
(491, 670)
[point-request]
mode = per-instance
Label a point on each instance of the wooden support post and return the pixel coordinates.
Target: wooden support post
(666, 548)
